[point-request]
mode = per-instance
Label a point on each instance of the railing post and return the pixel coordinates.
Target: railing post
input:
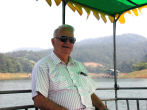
(137, 101)
(128, 108)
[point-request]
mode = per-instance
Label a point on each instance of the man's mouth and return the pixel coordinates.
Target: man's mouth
(65, 46)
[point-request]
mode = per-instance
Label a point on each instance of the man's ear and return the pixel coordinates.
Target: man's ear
(53, 41)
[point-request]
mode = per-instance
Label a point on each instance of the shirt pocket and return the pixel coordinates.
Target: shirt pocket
(84, 83)
(59, 82)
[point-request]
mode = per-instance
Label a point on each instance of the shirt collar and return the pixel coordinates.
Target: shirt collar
(56, 60)
(71, 60)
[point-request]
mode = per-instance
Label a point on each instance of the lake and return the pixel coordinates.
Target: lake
(8, 100)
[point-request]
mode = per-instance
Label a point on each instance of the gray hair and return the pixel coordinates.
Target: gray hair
(63, 27)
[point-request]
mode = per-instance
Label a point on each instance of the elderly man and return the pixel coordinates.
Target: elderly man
(61, 83)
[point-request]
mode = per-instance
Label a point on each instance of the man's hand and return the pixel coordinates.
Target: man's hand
(98, 103)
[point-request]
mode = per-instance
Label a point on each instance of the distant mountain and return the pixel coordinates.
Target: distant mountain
(124, 38)
(126, 44)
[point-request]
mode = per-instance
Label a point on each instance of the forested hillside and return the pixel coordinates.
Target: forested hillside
(20, 61)
(131, 50)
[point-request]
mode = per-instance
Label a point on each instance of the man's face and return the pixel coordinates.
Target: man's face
(63, 48)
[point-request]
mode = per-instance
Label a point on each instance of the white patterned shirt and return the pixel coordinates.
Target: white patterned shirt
(63, 83)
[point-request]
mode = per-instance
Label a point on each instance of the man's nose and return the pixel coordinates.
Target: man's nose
(67, 41)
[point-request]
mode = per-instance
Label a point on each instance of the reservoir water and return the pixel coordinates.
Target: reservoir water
(8, 100)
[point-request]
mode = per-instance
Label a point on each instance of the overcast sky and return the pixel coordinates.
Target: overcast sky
(28, 23)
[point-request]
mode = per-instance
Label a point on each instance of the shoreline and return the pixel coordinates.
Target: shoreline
(14, 76)
(136, 74)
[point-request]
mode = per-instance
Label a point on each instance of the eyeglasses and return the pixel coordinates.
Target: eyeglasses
(65, 38)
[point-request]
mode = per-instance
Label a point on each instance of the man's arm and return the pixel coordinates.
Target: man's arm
(46, 104)
(98, 103)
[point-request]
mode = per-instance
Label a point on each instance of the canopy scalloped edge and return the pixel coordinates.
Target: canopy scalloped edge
(79, 8)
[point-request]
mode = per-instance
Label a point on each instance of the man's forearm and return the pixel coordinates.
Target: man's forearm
(46, 104)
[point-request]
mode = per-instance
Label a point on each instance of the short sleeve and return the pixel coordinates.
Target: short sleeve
(40, 81)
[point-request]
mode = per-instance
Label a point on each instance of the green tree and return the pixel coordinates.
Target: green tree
(27, 65)
(125, 67)
(3, 64)
(140, 66)
(9, 64)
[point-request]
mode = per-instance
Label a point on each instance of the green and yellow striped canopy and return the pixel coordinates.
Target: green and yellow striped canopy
(106, 9)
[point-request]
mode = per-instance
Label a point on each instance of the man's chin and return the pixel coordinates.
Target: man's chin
(66, 52)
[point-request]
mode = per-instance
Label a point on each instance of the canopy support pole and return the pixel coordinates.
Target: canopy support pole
(114, 61)
(63, 11)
